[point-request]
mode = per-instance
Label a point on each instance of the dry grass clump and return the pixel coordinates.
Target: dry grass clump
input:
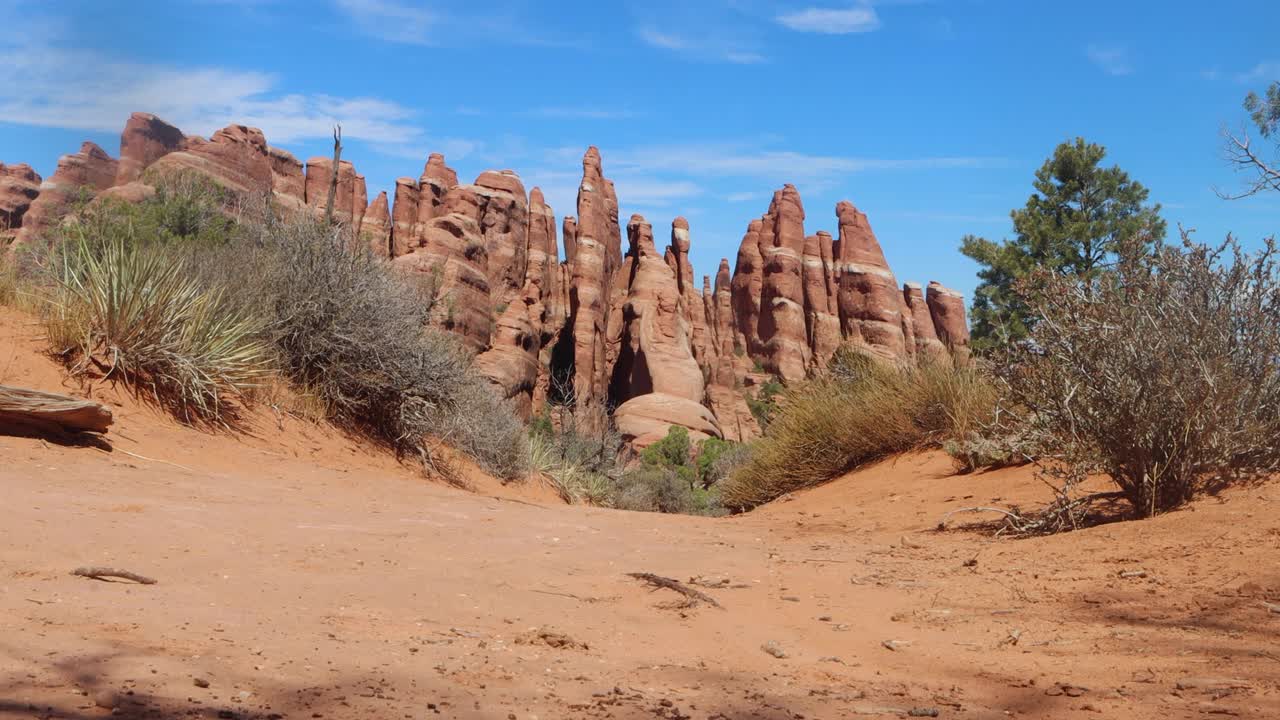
(1163, 373)
(863, 410)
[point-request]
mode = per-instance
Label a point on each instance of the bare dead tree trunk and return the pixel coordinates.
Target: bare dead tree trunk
(333, 174)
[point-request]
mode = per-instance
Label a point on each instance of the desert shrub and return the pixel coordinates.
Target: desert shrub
(725, 463)
(865, 409)
(713, 458)
(671, 451)
(1163, 373)
(348, 328)
(138, 314)
(187, 206)
(764, 403)
(658, 488)
(581, 459)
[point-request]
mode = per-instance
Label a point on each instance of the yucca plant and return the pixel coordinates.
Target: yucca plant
(137, 314)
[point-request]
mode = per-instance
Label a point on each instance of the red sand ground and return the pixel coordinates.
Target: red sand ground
(303, 575)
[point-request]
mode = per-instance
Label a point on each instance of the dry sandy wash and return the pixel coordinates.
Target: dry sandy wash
(304, 576)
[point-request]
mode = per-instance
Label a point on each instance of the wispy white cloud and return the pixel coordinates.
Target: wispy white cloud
(1264, 71)
(664, 40)
(1111, 60)
(832, 21)
(671, 176)
(705, 48)
(64, 89)
(745, 160)
(580, 113)
(390, 20)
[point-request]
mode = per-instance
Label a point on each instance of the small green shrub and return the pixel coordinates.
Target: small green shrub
(714, 457)
(764, 404)
(671, 451)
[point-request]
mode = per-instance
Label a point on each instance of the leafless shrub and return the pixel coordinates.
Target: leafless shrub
(1163, 373)
(352, 331)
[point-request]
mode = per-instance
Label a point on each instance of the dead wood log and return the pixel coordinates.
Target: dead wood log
(32, 410)
(665, 582)
(97, 573)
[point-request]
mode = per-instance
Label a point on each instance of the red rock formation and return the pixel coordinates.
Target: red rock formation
(596, 255)
(504, 225)
(453, 258)
(405, 233)
(785, 349)
(692, 306)
(511, 363)
(927, 346)
(946, 308)
(870, 303)
(570, 233)
(359, 202)
(655, 357)
(146, 138)
(236, 157)
(19, 186)
(376, 227)
(91, 171)
(436, 181)
(288, 181)
(724, 390)
(349, 192)
(545, 291)
(822, 320)
(748, 284)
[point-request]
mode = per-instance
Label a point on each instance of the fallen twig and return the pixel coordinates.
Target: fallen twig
(144, 457)
(98, 573)
(665, 582)
(579, 598)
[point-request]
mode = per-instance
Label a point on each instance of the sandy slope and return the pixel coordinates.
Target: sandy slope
(302, 575)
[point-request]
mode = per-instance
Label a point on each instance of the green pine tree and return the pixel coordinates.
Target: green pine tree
(1078, 215)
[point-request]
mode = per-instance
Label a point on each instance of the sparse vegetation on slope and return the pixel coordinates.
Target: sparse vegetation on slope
(862, 410)
(198, 296)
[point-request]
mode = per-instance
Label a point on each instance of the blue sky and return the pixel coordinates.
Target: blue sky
(930, 116)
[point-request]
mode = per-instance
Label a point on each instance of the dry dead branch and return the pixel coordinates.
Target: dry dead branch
(98, 573)
(657, 581)
(1062, 514)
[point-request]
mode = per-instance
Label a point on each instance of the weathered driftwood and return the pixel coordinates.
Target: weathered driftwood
(23, 410)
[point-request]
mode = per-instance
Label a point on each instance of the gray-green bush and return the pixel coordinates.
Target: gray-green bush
(1163, 373)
